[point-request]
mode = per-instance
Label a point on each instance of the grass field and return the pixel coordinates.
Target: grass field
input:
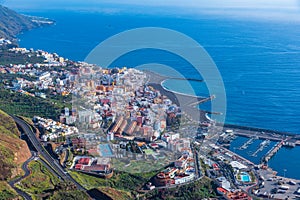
(89, 182)
(148, 151)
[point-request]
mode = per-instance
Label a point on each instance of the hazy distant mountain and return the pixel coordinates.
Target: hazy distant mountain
(12, 23)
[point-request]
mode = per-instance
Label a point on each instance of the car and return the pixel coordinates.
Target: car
(281, 191)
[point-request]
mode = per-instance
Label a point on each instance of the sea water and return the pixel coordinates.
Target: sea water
(259, 62)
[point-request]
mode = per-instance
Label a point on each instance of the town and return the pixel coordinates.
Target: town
(118, 122)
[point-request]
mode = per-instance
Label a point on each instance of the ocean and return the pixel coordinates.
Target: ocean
(259, 61)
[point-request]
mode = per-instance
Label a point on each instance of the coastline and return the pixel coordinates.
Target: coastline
(283, 109)
(15, 23)
(198, 115)
(175, 92)
(155, 80)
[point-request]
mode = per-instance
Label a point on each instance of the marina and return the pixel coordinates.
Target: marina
(184, 129)
(272, 152)
(262, 145)
(246, 144)
(256, 145)
(286, 162)
(261, 150)
(250, 153)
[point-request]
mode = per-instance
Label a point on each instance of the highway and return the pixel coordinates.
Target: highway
(57, 168)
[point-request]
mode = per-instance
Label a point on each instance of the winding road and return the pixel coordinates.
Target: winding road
(48, 160)
(27, 173)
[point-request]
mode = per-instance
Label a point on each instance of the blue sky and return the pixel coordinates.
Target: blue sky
(268, 9)
(177, 3)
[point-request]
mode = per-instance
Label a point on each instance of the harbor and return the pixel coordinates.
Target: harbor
(272, 152)
(252, 151)
(246, 144)
(259, 147)
(278, 152)
(256, 145)
(262, 145)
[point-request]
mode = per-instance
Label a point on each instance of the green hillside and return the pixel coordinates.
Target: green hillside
(13, 151)
(12, 23)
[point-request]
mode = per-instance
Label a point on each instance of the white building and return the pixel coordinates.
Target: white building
(44, 76)
(184, 179)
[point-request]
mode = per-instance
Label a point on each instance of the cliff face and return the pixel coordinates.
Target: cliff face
(13, 151)
(12, 23)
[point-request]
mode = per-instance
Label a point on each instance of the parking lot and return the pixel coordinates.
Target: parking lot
(277, 187)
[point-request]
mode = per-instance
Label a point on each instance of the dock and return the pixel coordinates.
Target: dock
(203, 100)
(185, 79)
(272, 152)
(238, 156)
(262, 145)
(247, 143)
(188, 104)
(182, 100)
(263, 136)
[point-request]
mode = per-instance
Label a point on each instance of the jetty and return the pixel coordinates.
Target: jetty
(262, 145)
(203, 100)
(249, 134)
(272, 152)
(182, 100)
(186, 103)
(247, 143)
(186, 79)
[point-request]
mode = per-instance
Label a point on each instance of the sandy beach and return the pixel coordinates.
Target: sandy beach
(183, 101)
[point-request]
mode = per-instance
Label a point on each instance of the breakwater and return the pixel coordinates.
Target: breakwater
(255, 129)
(272, 152)
(185, 101)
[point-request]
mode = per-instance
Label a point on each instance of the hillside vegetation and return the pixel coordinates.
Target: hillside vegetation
(42, 184)
(6, 192)
(13, 151)
(201, 189)
(20, 104)
(12, 23)
(8, 57)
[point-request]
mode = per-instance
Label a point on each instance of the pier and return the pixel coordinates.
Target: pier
(203, 100)
(262, 133)
(185, 79)
(238, 156)
(186, 102)
(266, 136)
(272, 152)
(246, 144)
(262, 145)
(182, 100)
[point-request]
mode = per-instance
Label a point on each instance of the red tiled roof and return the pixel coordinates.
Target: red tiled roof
(84, 161)
(95, 168)
(78, 166)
